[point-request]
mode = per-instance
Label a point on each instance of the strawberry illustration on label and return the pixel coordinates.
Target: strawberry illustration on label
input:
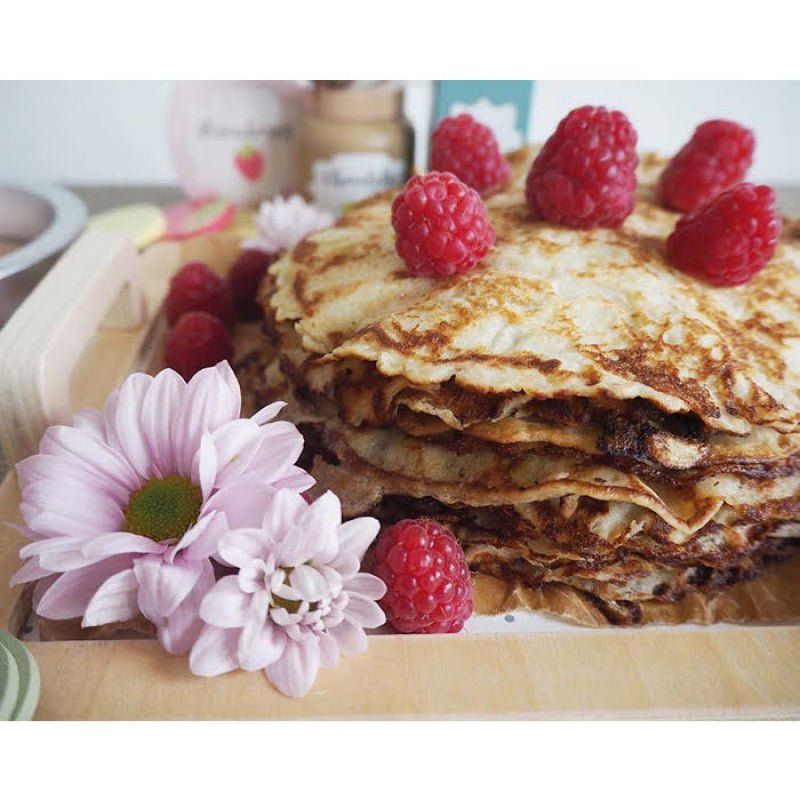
(250, 162)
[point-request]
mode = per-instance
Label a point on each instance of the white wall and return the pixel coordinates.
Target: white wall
(115, 132)
(85, 131)
(665, 113)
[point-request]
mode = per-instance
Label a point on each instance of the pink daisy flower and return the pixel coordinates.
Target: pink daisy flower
(297, 600)
(126, 506)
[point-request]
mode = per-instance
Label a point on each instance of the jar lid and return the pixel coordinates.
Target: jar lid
(357, 101)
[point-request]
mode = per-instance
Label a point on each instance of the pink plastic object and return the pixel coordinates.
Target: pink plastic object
(194, 217)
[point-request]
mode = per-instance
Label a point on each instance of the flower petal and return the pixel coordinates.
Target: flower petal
(346, 564)
(89, 420)
(109, 429)
(283, 513)
(280, 446)
(44, 466)
(79, 447)
(160, 409)
(127, 423)
(251, 576)
(214, 652)
(332, 578)
(304, 533)
(328, 651)
(41, 587)
(243, 503)
(59, 553)
(164, 586)
(204, 468)
(311, 585)
(233, 395)
(69, 595)
(322, 520)
(225, 605)
(366, 585)
(236, 443)
(114, 601)
(357, 535)
(111, 544)
(202, 541)
(295, 671)
(350, 638)
(261, 643)
(29, 571)
(280, 616)
(241, 547)
(364, 612)
(180, 630)
(67, 507)
(296, 479)
(269, 412)
(212, 398)
(27, 532)
(189, 538)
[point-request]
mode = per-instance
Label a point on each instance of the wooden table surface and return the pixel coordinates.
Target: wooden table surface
(682, 672)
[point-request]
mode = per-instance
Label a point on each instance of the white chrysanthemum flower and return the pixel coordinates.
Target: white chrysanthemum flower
(297, 600)
(283, 222)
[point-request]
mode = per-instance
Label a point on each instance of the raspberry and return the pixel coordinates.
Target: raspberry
(196, 288)
(585, 174)
(426, 575)
(198, 340)
(729, 239)
(716, 157)
(244, 278)
(466, 148)
(441, 226)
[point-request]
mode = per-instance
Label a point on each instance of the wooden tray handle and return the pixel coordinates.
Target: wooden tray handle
(94, 283)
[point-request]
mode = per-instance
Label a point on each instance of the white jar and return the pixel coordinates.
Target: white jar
(235, 139)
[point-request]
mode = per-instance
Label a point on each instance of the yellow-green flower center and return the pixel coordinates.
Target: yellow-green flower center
(163, 508)
(292, 606)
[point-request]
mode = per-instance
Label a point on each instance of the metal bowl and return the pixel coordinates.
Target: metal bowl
(41, 220)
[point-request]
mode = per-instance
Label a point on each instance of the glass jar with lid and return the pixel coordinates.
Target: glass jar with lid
(354, 141)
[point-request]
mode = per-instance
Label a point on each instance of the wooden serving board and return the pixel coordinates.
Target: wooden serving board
(63, 351)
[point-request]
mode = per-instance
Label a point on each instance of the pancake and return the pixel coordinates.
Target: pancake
(619, 581)
(456, 470)
(554, 312)
(619, 591)
(581, 414)
(631, 429)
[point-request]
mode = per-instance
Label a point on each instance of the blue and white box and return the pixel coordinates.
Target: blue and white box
(504, 106)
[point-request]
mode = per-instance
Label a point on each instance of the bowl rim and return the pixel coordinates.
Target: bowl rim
(69, 217)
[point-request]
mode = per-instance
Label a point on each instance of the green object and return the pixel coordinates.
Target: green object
(9, 684)
(208, 213)
(163, 508)
(24, 694)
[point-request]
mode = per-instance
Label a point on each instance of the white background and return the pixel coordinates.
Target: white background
(681, 39)
(115, 132)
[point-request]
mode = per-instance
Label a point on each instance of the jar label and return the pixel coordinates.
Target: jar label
(349, 177)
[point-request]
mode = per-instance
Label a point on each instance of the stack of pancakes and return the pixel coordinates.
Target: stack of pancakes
(578, 411)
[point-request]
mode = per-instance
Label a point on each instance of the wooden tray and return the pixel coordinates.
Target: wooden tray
(91, 322)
